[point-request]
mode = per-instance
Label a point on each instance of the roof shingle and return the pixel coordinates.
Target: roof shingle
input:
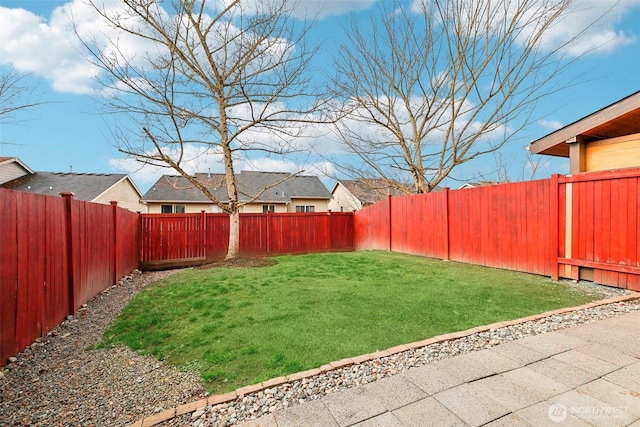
(172, 188)
(85, 186)
(370, 190)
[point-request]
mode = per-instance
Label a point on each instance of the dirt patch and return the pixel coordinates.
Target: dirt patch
(239, 263)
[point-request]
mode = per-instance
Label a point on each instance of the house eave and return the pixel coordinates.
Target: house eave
(617, 119)
(311, 197)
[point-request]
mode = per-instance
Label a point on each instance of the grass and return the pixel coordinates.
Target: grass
(242, 326)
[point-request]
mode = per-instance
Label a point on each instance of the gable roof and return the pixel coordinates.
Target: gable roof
(7, 160)
(369, 190)
(85, 186)
(173, 188)
(618, 119)
(476, 184)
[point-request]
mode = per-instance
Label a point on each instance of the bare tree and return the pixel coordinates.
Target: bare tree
(16, 96)
(509, 169)
(427, 89)
(229, 81)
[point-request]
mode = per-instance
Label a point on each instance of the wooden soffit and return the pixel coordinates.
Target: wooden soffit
(618, 119)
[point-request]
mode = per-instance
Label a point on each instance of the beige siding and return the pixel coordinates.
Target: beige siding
(11, 171)
(614, 153)
(343, 200)
(125, 194)
(188, 207)
(321, 205)
(257, 207)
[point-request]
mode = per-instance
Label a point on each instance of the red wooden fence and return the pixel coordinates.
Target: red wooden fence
(193, 238)
(56, 254)
(585, 226)
(600, 221)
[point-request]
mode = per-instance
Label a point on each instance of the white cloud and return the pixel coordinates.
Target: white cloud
(588, 27)
(265, 164)
(597, 20)
(49, 50)
(550, 124)
(194, 159)
(312, 9)
(300, 133)
(200, 159)
(466, 123)
(52, 50)
(47, 47)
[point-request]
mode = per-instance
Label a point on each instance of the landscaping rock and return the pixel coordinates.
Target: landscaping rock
(57, 381)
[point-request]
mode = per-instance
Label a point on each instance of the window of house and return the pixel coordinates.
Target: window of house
(172, 209)
(268, 208)
(305, 208)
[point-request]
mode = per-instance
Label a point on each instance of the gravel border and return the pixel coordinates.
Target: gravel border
(58, 382)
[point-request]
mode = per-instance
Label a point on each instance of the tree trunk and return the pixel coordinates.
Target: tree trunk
(234, 235)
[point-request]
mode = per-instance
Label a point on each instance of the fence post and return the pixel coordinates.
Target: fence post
(68, 197)
(554, 224)
(268, 234)
(329, 235)
(446, 223)
(114, 212)
(203, 235)
(142, 238)
(390, 229)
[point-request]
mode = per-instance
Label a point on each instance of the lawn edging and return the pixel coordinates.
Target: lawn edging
(250, 389)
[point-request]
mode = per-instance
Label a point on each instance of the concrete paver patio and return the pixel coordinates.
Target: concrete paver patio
(587, 375)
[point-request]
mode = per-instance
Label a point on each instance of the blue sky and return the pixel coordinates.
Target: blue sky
(67, 131)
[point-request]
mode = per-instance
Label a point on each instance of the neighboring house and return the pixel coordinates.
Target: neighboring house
(353, 195)
(604, 140)
(476, 184)
(91, 187)
(286, 193)
(12, 168)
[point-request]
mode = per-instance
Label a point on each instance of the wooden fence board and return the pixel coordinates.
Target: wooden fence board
(55, 250)
(128, 242)
(521, 226)
(8, 274)
(372, 227)
(57, 273)
(633, 222)
(44, 262)
(260, 234)
(217, 240)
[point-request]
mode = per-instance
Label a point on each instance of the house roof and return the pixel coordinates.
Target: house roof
(172, 188)
(618, 119)
(370, 190)
(85, 186)
(7, 160)
(477, 184)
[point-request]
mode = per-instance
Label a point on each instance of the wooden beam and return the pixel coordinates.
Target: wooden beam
(172, 263)
(629, 269)
(577, 154)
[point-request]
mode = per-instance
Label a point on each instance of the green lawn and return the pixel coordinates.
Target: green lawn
(242, 326)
